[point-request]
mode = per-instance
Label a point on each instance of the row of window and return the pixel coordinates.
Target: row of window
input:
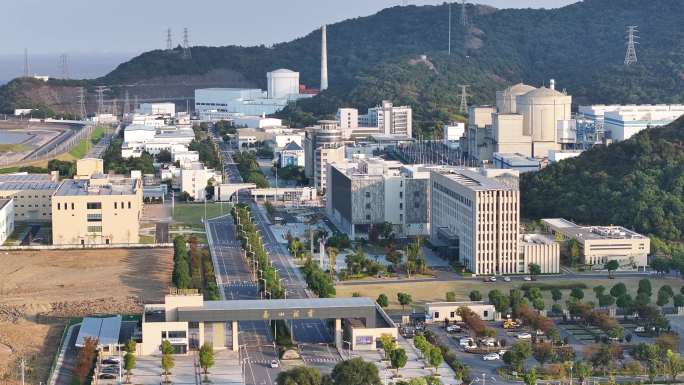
(453, 194)
(36, 205)
(91, 205)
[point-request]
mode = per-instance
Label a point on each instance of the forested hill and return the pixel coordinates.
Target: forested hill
(372, 58)
(638, 183)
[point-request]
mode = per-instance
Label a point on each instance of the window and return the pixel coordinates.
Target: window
(95, 217)
(367, 194)
(452, 314)
(485, 313)
(176, 334)
(436, 315)
(129, 204)
(94, 229)
(94, 205)
(416, 205)
(163, 333)
(59, 206)
(401, 206)
(115, 205)
(72, 205)
(368, 206)
(367, 217)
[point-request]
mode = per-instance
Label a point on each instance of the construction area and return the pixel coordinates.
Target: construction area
(41, 290)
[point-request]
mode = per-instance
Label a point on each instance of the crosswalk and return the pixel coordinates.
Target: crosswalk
(240, 284)
(306, 359)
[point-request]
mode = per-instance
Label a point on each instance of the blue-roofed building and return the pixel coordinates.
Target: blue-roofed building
(291, 155)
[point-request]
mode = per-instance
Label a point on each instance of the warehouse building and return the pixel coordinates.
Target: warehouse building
(31, 194)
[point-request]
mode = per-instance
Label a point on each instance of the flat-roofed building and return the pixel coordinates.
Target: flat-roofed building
(31, 193)
(195, 177)
(440, 311)
(483, 214)
(6, 219)
(541, 250)
(100, 210)
(600, 244)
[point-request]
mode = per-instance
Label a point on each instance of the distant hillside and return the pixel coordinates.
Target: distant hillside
(638, 183)
(371, 58)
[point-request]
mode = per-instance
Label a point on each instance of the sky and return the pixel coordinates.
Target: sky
(134, 26)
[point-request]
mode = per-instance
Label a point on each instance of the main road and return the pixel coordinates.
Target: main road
(257, 349)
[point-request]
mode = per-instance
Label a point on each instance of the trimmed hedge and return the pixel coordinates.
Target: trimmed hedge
(551, 286)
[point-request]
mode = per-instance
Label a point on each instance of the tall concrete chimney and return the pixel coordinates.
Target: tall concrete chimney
(324, 59)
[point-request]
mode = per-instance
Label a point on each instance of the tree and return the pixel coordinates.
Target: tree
(299, 375)
(674, 364)
(450, 296)
(624, 302)
(393, 256)
(129, 365)
(618, 290)
(520, 352)
(599, 290)
(556, 294)
(534, 269)
(382, 300)
(645, 287)
(530, 378)
(663, 299)
(611, 266)
(574, 251)
(206, 357)
(435, 357)
(577, 293)
(475, 295)
(332, 259)
(398, 359)
(606, 300)
(582, 369)
(543, 352)
(355, 372)
(166, 347)
(500, 301)
(538, 304)
(167, 364)
(404, 299)
(666, 290)
(388, 344)
(84, 360)
(678, 300)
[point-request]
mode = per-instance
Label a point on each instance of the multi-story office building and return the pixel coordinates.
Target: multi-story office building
(483, 214)
(31, 194)
(101, 210)
(389, 120)
(167, 109)
(600, 244)
(6, 219)
(365, 192)
(195, 177)
(322, 145)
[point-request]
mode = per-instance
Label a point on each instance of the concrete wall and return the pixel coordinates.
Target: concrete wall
(368, 200)
(417, 201)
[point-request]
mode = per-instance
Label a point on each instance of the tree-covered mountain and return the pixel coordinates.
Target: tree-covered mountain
(637, 183)
(372, 58)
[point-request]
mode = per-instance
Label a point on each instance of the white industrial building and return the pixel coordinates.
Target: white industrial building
(184, 157)
(6, 219)
(167, 109)
(453, 133)
(620, 122)
(194, 178)
(558, 155)
(249, 121)
(441, 311)
(141, 138)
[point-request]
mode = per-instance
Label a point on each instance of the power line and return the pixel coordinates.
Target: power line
(630, 55)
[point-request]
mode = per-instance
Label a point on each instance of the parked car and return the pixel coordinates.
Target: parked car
(111, 361)
(107, 376)
(502, 352)
(453, 329)
(489, 341)
(507, 279)
(527, 278)
(465, 342)
(275, 364)
(639, 329)
(492, 279)
(491, 357)
(524, 336)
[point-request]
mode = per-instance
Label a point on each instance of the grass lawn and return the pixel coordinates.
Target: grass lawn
(81, 149)
(191, 214)
(423, 292)
(13, 147)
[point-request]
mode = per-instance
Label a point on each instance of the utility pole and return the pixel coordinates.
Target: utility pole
(64, 61)
(630, 55)
(463, 108)
(169, 42)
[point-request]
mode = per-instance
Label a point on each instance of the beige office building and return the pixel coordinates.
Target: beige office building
(540, 250)
(101, 210)
(600, 244)
(31, 193)
(322, 145)
(483, 214)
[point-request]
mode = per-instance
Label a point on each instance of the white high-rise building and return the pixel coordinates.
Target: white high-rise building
(347, 121)
(389, 119)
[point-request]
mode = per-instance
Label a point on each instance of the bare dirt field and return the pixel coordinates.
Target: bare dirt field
(45, 284)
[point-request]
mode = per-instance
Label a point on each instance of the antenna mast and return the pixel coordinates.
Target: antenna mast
(26, 63)
(630, 55)
(64, 61)
(463, 108)
(169, 42)
(186, 44)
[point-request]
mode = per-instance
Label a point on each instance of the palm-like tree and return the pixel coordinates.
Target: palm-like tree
(332, 259)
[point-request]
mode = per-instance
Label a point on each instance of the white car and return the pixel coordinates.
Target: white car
(527, 278)
(639, 329)
(275, 364)
(488, 341)
(492, 279)
(465, 342)
(507, 279)
(491, 357)
(453, 329)
(524, 336)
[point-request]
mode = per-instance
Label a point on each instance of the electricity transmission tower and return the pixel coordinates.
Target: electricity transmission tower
(26, 63)
(186, 44)
(463, 108)
(126, 105)
(169, 42)
(64, 61)
(81, 103)
(464, 14)
(630, 55)
(99, 90)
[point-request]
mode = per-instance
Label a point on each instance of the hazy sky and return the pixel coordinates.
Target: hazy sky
(134, 26)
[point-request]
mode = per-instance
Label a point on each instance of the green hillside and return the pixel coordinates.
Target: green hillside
(638, 183)
(373, 58)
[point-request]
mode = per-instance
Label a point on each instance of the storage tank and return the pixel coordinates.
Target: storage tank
(505, 100)
(282, 83)
(541, 109)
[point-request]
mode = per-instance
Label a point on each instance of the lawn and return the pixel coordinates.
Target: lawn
(191, 214)
(81, 149)
(434, 291)
(13, 147)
